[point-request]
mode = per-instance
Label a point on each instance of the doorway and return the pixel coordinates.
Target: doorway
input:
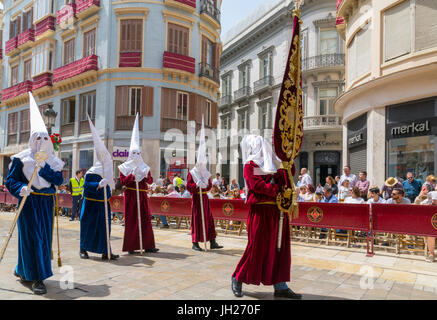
(326, 163)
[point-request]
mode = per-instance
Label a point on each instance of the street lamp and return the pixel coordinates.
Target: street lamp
(50, 116)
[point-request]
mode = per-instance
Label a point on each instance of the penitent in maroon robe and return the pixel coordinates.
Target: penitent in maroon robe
(261, 261)
(196, 214)
(131, 239)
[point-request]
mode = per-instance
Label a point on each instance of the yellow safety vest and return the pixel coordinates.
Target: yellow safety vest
(77, 187)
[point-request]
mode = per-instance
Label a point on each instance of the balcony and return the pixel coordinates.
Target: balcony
(130, 59)
(187, 5)
(86, 7)
(17, 90)
(210, 12)
(322, 122)
(42, 80)
(324, 61)
(75, 68)
(11, 46)
(241, 94)
(262, 84)
(208, 71)
(66, 15)
(179, 62)
(168, 123)
(225, 101)
(67, 130)
(26, 38)
(45, 27)
(126, 122)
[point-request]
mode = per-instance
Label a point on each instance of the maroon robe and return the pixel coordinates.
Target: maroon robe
(261, 262)
(131, 240)
(196, 213)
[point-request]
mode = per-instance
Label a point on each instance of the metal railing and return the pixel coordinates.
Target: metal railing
(208, 71)
(262, 84)
(208, 7)
(315, 122)
(242, 93)
(323, 61)
(225, 101)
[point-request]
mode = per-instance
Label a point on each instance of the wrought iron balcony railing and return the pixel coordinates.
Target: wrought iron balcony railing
(316, 122)
(225, 101)
(208, 7)
(262, 84)
(323, 61)
(242, 93)
(208, 71)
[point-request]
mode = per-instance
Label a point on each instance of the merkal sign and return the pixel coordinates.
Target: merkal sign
(415, 128)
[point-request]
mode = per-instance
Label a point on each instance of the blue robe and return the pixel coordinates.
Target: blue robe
(35, 222)
(92, 216)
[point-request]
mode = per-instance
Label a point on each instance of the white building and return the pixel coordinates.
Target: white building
(252, 68)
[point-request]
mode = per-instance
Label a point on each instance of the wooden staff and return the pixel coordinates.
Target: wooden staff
(39, 156)
(106, 215)
(203, 218)
(139, 217)
(57, 227)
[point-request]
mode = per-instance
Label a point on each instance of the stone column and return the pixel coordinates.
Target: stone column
(376, 146)
(345, 150)
(75, 158)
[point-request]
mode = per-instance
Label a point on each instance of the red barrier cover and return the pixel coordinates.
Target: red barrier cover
(333, 215)
(419, 220)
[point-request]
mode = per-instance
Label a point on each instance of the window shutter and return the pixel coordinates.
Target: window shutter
(31, 16)
(185, 48)
(122, 101)
(147, 102)
(426, 24)
(214, 114)
(363, 54)
(139, 33)
(201, 103)
(192, 109)
(204, 49)
(18, 25)
(397, 21)
(215, 55)
(11, 29)
(24, 21)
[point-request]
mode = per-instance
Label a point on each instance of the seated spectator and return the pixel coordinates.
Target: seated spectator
(331, 183)
(355, 196)
(184, 192)
(328, 197)
(223, 186)
(318, 196)
(344, 191)
(171, 193)
(430, 183)
(299, 181)
(310, 194)
(236, 194)
(412, 187)
(302, 191)
(397, 197)
(363, 184)
(243, 193)
(214, 193)
(234, 184)
(389, 185)
(297, 190)
(375, 195)
(424, 196)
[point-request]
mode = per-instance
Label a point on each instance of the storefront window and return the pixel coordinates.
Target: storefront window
(413, 154)
(86, 159)
(67, 171)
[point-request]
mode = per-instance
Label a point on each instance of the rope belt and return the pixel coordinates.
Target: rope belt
(97, 200)
(266, 202)
(141, 190)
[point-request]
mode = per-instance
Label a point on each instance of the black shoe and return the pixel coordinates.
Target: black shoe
(287, 293)
(113, 256)
(166, 226)
(153, 250)
(215, 245)
(236, 288)
(38, 287)
(22, 279)
(83, 254)
(196, 246)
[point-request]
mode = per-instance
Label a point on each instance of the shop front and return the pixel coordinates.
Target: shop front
(411, 130)
(357, 144)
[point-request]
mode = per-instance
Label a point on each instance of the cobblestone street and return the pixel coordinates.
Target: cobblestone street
(178, 272)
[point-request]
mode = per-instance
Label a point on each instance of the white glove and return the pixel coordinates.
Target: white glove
(103, 183)
(25, 191)
(41, 164)
(201, 184)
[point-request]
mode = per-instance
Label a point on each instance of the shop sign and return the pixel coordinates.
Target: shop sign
(412, 129)
(327, 144)
(356, 139)
(120, 153)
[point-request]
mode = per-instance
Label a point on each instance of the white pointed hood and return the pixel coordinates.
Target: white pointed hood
(103, 157)
(200, 172)
(39, 141)
(135, 160)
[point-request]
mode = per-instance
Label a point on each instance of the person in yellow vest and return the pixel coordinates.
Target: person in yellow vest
(76, 189)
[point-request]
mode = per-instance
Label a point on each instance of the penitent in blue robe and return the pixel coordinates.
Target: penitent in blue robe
(92, 216)
(35, 222)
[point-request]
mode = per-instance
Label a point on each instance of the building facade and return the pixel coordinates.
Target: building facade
(111, 60)
(252, 68)
(389, 106)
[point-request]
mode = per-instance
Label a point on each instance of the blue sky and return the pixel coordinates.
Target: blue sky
(233, 11)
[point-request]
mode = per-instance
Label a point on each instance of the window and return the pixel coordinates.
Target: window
(42, 58)
(42, 8)
(243, 120)
(24, 126)
(135, 100)
(68, 111)
(12, 128)
(326, 101)
(207, 51)
(89, 43)
(177, 39)
(304, 43)
(264, 116)
(397, 34)
(358, 50)
(226, 124)
(426, 24)
(328, 41)
(15, 27)
(69, 51)
(27, 70)
(131, 35)
(87, 106)
(27, 20)
(14, 75)
(208, 113)
(305, 101)
(182, 106)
